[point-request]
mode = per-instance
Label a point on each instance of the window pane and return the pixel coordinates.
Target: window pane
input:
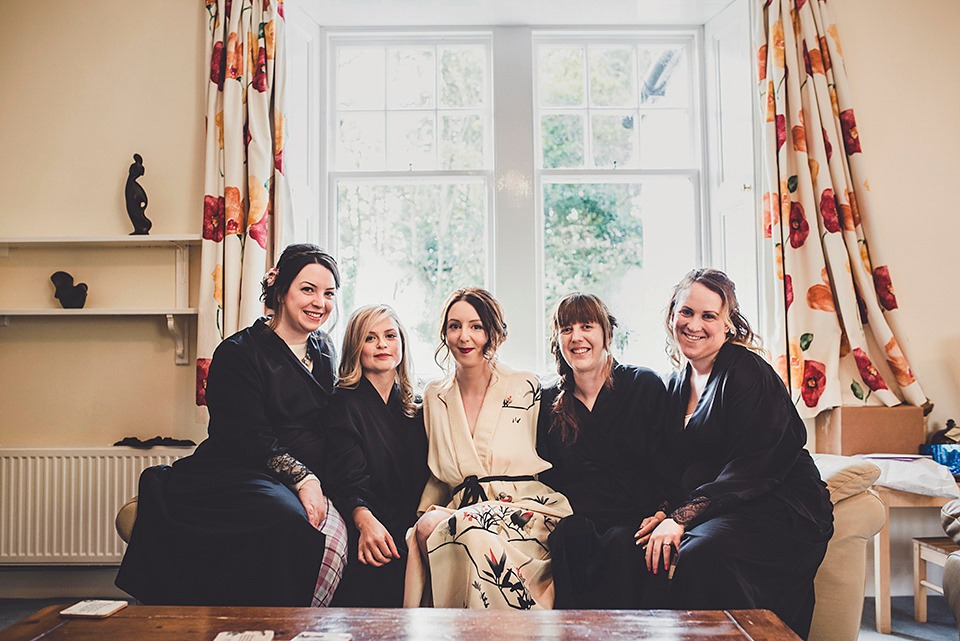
(665, 139)
(409, 244)
(666, 80)
(411, 77)
(360, 78)
(411, 140)
(613, 77)
(560, 76)
(562, 138)
(462, 76)
(627, 242)
(461, 142)
(615, 140)
(360, 141)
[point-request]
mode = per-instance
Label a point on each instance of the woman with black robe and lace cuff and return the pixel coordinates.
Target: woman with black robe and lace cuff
(756, 518)
(244, 520)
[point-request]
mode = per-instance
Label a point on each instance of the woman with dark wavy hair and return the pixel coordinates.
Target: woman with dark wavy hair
(244, 520)
(754, 519)
(599, 427)
(483, 534)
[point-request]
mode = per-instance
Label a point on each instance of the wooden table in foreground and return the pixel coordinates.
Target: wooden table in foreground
(166, 623)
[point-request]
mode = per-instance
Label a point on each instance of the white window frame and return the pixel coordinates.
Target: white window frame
(514, 180)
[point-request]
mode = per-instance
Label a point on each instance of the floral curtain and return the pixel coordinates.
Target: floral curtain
(243, 175)
(835, 294)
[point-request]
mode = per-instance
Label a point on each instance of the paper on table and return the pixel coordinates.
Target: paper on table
(311, 635)
(94, 608)
(249, 635)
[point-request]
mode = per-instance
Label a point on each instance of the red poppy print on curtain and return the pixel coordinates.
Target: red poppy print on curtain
(881, 280)
(828, 211)
(799, 227)
(781, 130)
(203, 368)
(216, 65)
(788, 289)
(814, 382)
(213, 220)
(868, 372)
(260, 75)
(851, 140)
(826, 144)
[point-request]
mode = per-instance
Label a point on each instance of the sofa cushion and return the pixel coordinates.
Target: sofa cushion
(845, 476)
(950, 518)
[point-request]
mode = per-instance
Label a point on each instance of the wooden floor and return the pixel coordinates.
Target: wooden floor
(161, 623)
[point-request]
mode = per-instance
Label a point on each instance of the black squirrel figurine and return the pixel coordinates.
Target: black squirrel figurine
(136, 199)
(70, 296)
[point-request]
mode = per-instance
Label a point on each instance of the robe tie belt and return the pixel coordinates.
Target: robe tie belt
(473, 490)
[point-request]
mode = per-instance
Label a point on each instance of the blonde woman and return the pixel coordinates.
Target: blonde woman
(375, 404)
(483, 536)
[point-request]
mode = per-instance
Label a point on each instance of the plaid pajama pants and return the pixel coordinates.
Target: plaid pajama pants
(334, 557)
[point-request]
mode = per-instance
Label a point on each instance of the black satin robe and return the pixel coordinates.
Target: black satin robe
(758, 517)
(608, 476)
(220, 527)
(394, 451)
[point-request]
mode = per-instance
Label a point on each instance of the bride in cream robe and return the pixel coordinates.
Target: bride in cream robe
(492, 553)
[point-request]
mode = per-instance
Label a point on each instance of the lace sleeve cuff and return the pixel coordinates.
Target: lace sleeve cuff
(288, 469)
(690, 511)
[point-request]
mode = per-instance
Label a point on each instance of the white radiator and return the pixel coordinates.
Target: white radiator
(57, 505)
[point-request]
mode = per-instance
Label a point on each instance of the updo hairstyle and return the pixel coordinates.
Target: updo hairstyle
(293, 259)
(491, 316)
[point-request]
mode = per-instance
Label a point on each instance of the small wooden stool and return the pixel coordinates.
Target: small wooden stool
(934, 549)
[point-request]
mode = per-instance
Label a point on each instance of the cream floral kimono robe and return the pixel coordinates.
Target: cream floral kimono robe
(492, 553)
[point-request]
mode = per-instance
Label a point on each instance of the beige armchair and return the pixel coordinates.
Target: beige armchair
(950, 517)
(857, 516)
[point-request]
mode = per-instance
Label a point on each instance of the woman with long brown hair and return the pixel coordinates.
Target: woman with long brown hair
(599, 427)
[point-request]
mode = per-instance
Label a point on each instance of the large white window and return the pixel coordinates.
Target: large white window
(409, 148)
(618, 120)
(533, 162)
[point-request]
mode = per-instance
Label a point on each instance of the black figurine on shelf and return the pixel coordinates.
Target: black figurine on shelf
(137, 199)
(70, 296)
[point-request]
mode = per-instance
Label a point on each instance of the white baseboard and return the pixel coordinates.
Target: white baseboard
(52, 582)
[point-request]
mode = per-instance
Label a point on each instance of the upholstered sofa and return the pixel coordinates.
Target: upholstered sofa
(840, 582)
(858, 515)
(950, 517)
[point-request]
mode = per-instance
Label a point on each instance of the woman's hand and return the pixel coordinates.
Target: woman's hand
(376, 546)
(647, 525)
(313, 501)
(663, 545)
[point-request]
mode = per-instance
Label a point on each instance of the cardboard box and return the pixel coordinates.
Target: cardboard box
(869, 430)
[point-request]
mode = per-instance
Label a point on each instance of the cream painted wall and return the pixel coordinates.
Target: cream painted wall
(86, 84)
(903, 62)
